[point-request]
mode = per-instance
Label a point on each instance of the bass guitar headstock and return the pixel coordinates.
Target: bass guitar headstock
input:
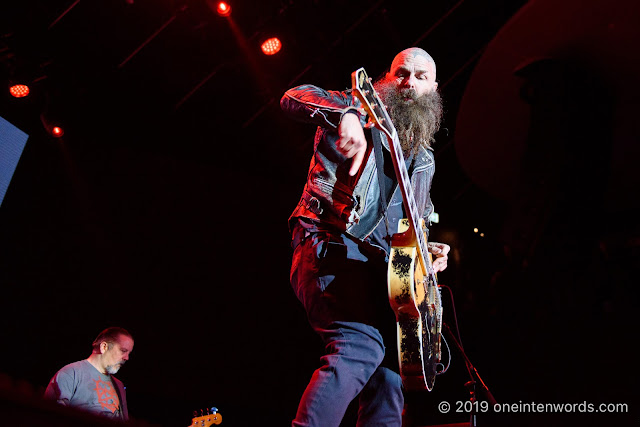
(207, 418)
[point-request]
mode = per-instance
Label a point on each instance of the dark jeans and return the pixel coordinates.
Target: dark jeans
(342, 285)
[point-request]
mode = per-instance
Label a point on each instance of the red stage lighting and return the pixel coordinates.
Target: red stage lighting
(19, 91)
(57, 131)
(271, 46)
(224, 9)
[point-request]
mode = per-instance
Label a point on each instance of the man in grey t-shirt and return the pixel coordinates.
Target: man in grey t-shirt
(89, 384)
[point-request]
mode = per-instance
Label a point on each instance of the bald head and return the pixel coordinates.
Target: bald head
(412, 54)
(413, 69)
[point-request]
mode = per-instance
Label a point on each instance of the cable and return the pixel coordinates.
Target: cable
(455, 316)
(445, 368)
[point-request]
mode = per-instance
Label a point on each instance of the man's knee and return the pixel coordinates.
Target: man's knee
(363, 341)
(355, 347)
(385, 378)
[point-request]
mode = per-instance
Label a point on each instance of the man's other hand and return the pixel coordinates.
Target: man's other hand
(440, 251)
(352, 143)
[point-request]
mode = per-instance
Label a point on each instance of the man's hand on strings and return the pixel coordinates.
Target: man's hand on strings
(352, 143)
(440, 251)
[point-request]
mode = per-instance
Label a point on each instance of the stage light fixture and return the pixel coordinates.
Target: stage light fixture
(223, 9)
(19, 90)
(271, 46)
(57, 131)
(51, 125)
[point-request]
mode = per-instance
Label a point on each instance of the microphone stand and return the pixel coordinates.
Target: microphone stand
(471, 385)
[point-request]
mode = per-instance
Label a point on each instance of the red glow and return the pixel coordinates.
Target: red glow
(224, 9)
(271, 46)
(57, 131)
(19, 91)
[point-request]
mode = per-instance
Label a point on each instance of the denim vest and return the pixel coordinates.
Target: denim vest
(331, 198)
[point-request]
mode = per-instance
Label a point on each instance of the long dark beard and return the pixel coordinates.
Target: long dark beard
(416, 121)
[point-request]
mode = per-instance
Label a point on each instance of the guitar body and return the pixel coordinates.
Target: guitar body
(416, 303)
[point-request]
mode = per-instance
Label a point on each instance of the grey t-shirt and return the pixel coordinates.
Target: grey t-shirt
(82, 386)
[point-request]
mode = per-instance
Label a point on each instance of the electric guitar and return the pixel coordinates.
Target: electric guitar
(206, 420)
(412, 283)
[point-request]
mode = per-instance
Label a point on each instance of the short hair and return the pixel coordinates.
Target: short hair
(110, 336)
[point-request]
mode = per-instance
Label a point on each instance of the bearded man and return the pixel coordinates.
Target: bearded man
(341, 230)
(89, 384)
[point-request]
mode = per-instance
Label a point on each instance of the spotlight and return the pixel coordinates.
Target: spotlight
(51, 125)
(19, 91)
(271, 46)
(57, 131)
(223, 9)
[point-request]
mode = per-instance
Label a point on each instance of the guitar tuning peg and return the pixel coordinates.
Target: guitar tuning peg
(214, 410)
(195, 414)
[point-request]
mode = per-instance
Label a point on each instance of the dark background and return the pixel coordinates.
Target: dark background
(163, 208)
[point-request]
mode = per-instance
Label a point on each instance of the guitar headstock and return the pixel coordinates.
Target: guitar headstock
(363, 88)
(212, 416)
